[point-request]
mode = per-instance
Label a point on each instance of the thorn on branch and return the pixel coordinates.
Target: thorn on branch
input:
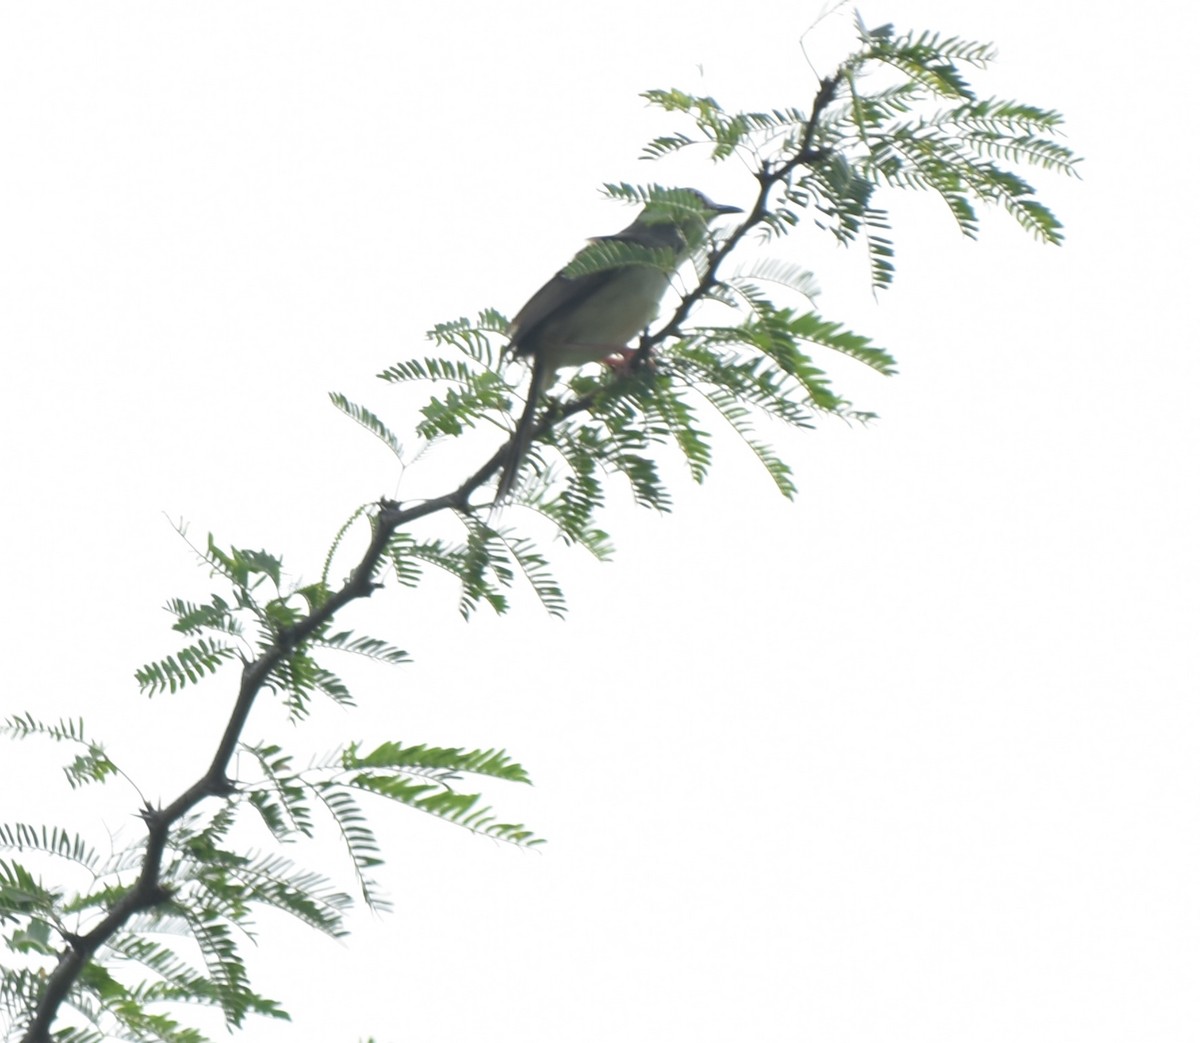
(806, 154)
(361, 584)
(829, 85)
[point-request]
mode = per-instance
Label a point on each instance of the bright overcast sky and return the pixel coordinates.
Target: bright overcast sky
(912, 758)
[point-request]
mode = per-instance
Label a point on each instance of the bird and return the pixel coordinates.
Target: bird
(577, 319)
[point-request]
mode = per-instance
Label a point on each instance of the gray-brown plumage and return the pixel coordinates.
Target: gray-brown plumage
(586, 318)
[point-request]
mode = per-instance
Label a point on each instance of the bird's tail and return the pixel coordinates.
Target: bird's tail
(518, 445)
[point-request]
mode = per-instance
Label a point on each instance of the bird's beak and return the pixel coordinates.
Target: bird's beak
(721, 208)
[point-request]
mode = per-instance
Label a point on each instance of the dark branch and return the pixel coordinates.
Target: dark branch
(805, 155)
(148, 891)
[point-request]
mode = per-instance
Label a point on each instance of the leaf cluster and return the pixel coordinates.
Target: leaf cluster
(163, 921)
(898, 114)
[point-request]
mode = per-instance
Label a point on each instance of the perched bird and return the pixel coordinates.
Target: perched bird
(573, 320)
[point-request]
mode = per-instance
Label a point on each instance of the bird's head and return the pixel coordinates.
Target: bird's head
(686, 209)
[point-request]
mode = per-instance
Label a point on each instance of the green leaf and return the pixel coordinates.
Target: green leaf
(20, 836)
(240, 566)
(370, 647)
(440, 761)
(188, 666)
(22, 893)
(605, 254)
(303, 677)
(192, 618)
(364, 417)
(358, 837)
(536, 570)
(364, 510)
(282, 797)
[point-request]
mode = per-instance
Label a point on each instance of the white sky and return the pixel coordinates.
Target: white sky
(913, 758)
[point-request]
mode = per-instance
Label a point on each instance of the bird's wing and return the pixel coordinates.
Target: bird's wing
(562, 292)
(558, 295)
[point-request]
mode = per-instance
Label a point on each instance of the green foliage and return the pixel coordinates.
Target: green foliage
(606, 253)
(899, 113)
(362, 415)
(486, 563)
(187, 666)
(187, 947)
(420, 777)
(23, 895)
(54, 841)
(185, 944)
(91, 764)
(162, 921)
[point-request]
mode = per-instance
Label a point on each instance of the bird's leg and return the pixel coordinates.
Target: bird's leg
(621, 361)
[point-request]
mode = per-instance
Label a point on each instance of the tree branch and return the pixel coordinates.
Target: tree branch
(767, 178)
(148, 891)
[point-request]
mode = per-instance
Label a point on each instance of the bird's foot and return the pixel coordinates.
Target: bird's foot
(621, 362)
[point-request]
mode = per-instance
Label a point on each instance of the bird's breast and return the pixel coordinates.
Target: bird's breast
(605, 320)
